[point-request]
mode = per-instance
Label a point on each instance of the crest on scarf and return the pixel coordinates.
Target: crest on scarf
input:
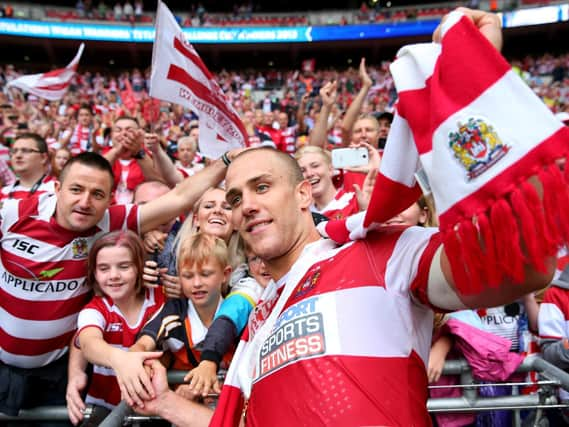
(80, 248)
(476, 146)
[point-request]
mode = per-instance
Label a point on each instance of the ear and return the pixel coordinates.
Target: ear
(331, 170)
(304, 194)
(423, 216)
(227, 273)
(45, 158)
(57, 186)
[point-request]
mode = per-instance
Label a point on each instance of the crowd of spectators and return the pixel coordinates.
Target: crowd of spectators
(253, 90)
(285, 109)
(245, 14)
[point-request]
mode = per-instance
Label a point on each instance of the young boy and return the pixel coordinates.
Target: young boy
(228, 325)
(181, 325)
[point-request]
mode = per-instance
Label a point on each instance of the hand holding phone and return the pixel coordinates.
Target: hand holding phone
(349, 157)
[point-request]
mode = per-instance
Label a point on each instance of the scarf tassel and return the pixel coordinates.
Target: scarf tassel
(518, 229)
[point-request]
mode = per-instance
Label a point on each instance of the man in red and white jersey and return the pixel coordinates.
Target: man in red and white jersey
(287, 140)
(44, 245)
(343, 334)
(80, 138)
(29, 159)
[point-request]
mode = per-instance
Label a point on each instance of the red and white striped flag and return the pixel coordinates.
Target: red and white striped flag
(180, 76)
(479, 133)
(51, 85)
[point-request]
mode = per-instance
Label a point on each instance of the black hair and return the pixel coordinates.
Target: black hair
(39, 140)
(92, 160)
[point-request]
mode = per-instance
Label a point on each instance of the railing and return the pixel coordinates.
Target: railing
(550, 380)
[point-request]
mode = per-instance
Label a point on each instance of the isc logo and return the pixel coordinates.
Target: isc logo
(24, 246)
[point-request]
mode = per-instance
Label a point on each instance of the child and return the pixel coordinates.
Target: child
(108, 324)
(182, 324)
(229, 322)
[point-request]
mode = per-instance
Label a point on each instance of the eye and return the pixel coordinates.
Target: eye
(102, 268)
(234, 201)
(261, 188)
(125, 266)
(99, 195)
(75, 190)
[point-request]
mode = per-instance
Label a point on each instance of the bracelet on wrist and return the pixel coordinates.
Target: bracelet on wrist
(226, 160)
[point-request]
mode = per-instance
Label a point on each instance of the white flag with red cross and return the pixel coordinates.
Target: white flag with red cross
(180, 76)
(51, 85)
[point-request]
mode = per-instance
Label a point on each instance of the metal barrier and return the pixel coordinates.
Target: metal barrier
(550, 380)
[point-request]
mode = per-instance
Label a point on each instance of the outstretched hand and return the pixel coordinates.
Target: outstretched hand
(488, 23)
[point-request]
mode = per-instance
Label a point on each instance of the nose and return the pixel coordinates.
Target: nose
(85, 200)
(196, 282)
(114, 272)
(249, 204)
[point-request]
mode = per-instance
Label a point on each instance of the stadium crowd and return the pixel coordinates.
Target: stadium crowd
(82, 177)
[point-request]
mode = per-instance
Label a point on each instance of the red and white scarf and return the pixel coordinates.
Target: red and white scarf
(479, 133)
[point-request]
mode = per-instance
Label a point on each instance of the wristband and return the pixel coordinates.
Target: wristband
(225, 159)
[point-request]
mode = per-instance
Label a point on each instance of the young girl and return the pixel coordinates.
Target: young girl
(60, 157)
(108, 325)
(182, 324)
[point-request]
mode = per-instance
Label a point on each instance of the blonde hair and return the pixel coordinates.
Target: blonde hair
(310, 149)
(200, 248)
(188, 229)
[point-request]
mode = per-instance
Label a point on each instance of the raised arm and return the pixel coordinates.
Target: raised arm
(319, 134)
(181, 199)
(162, 162)
(300, 113)
(355, 107)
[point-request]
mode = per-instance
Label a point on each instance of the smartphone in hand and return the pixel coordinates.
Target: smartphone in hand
(349, 157)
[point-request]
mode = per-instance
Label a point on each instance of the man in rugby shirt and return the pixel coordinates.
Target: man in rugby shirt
(44, 245)
(29, 159)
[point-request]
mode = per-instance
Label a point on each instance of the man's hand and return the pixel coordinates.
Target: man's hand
(154, 238)
(132, 377)
(329, 93)
(152, 142)
(76, 383)
(488, 23)
(364, 76)
(133, 140)
(159, 385)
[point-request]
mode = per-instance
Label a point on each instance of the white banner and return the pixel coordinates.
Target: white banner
(51, 85)
(180, 76)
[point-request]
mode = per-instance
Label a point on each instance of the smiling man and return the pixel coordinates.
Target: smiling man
(312, 338)
(45, 242)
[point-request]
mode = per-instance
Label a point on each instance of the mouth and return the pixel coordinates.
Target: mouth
(114, 285)
(313, 181)
(82, 213)
(199, 294)
(257, 226)
(217, 221)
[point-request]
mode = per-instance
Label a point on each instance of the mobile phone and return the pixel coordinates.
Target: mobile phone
(349, 157)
